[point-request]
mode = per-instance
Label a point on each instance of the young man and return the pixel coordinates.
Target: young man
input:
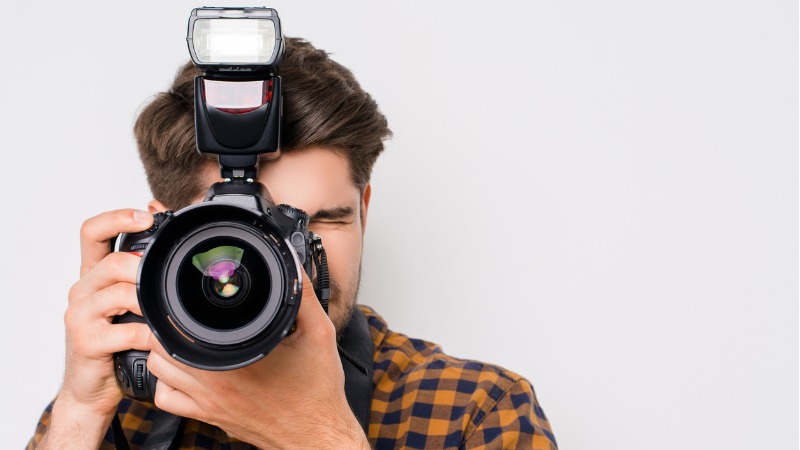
(390, 391)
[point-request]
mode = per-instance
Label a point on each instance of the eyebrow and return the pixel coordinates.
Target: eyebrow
(339, 212)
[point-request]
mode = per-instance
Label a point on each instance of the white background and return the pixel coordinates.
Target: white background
(601, 196)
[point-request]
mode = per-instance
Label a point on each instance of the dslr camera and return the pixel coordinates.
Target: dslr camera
(220, 282)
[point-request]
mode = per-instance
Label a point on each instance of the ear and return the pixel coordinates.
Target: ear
(156, 206)
(364, 206)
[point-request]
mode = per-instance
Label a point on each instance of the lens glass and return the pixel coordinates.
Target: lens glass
(227, 284)
(223, 283)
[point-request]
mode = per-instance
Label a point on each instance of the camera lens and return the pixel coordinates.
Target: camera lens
(223, 283)
(219, 293)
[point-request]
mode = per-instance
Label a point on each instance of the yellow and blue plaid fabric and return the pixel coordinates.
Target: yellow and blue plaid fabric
(421, 398)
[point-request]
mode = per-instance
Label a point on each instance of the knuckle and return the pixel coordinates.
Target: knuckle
(117, 264)
(123, 295)
(130, 292)
(72, 295)
(152, 365)
(128, 289)
(114, 261)
(87, 229)
(160, 398)
(69, 319)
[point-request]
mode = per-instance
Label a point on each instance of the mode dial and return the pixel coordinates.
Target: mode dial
(297, 215)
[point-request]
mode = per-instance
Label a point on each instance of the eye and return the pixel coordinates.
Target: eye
(336, 216)
(331, 222)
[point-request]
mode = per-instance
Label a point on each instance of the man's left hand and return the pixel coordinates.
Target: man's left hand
(293, 398)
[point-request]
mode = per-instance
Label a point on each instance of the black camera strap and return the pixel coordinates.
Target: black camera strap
(356, 350)
(164, 434)
(322, 285)
(119, 435)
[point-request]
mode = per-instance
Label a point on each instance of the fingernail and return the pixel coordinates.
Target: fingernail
(142, 217)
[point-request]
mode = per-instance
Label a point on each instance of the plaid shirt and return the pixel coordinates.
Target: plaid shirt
(421, 398)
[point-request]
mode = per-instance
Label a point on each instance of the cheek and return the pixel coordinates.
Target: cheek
(343, 250)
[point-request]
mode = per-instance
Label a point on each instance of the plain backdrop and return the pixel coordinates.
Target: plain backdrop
(601, 196)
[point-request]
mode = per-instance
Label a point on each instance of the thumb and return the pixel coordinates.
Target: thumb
(311, 313)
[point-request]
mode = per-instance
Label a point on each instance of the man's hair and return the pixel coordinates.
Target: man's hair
(324, 106)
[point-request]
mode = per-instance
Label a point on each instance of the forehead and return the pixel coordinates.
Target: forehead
(310, 179)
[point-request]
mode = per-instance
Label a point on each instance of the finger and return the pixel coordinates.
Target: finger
(96, 233)
(112, 269)
(114, 300)
(175, 402)
(310, 308)
(157, 348)
(311, 318)
(167, 370)
(106, 339)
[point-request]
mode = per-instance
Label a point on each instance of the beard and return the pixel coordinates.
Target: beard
(342, 303)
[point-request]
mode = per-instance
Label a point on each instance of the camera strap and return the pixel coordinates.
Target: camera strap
(322, 284)
(356, 350)
(119, 435)
(164, 433)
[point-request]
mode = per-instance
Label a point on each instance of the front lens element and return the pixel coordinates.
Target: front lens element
(227, 284)
(223, 274)
(234, 41)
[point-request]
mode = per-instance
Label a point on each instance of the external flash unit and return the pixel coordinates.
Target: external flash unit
(238, 100)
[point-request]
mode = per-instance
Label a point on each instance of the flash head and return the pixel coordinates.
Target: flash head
(235, 39)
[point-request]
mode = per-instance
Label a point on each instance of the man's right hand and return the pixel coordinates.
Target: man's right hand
(107, 287)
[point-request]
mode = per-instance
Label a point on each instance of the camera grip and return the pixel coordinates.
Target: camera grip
(133, 378)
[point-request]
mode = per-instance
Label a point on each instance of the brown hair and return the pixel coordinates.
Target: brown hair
(324, 106)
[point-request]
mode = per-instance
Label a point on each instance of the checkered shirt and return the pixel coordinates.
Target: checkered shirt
(421, 398)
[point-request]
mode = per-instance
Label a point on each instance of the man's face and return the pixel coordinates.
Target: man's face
(318, 181)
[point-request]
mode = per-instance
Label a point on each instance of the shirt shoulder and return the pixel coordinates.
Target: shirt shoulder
(138, 420)
(423, 397)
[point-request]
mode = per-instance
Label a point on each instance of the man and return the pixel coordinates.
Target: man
(386, 391)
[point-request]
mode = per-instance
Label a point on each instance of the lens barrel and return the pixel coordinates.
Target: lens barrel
(219, 294)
